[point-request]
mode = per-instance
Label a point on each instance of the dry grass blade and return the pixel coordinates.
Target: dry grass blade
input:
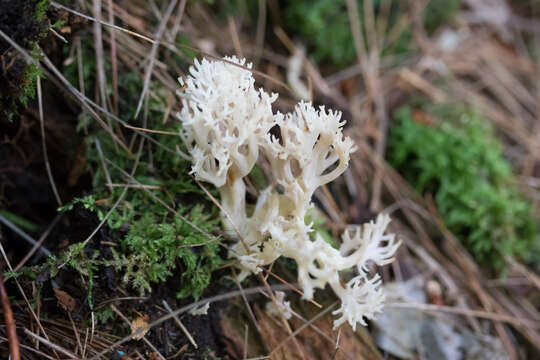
(153, 52)
(306, 325)
(11, 328)
(114, 62)
(261, 26)
(146, 341)
(370, 66)
(37, 244)
(44, 145)
(24, 235)
(246, 303)
(98, 45)
(180, 325)
(31, 349)
(53, 346)
(30, 308)
(60, 6)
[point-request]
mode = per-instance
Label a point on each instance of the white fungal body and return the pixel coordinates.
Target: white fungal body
(227, 124)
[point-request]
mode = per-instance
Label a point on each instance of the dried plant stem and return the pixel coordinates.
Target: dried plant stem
(44, 145)
(11, 328)
(181, 326)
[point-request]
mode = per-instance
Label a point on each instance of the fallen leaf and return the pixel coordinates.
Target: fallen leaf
(137, 324)
(65, 300)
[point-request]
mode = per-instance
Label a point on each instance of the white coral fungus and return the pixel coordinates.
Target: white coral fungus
(227, 124)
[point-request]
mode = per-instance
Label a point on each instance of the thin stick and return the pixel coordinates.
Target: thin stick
(146, 341)
(102, 161)
(77, 42)
(176, 26)
(98, 45)
(60, 6)
(261, 26)
(44, 145)
(246, 332)
(26, 347)
(79, 344)
(246, 302)
(235, 39)
(83, 101)
(40, 241)
(51, 345)
(182, 327)
(172, 46)
(112, 35)
(11, 328)
(22, 234)
(301, 328)
(162, 132)
(36, 318)
(292, 335)
(293, 288)
(153, 52)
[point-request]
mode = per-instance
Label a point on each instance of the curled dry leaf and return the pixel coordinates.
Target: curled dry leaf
(138, 323)
(66, 301)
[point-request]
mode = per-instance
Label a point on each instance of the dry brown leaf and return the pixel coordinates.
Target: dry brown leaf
(137, 324)
(66, 301)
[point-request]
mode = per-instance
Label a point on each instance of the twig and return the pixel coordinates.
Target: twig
(105, 171)
(235, 39)
(112, 35)
(19, 287)
(146, 341)
(60, 6)
(11, 328)
(307, 324)
(261, 26)
(53, 346)
(98, 45)
(293, 288)
(246, 302)
(246, 332)
(26, 347)
(44, 145)
(77, 337)
(40, 241)
(153, 52)
(22, 234)
(182, 327)
(172, 46)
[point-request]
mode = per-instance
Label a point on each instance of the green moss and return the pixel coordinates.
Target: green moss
(461, 163)
(26, 23)
(157, 248)
(86, 262)
(157, 244)
(439, 12)
(104, 315)
(41, 9)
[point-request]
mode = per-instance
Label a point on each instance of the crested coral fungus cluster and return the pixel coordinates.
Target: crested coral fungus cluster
(226, 126)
